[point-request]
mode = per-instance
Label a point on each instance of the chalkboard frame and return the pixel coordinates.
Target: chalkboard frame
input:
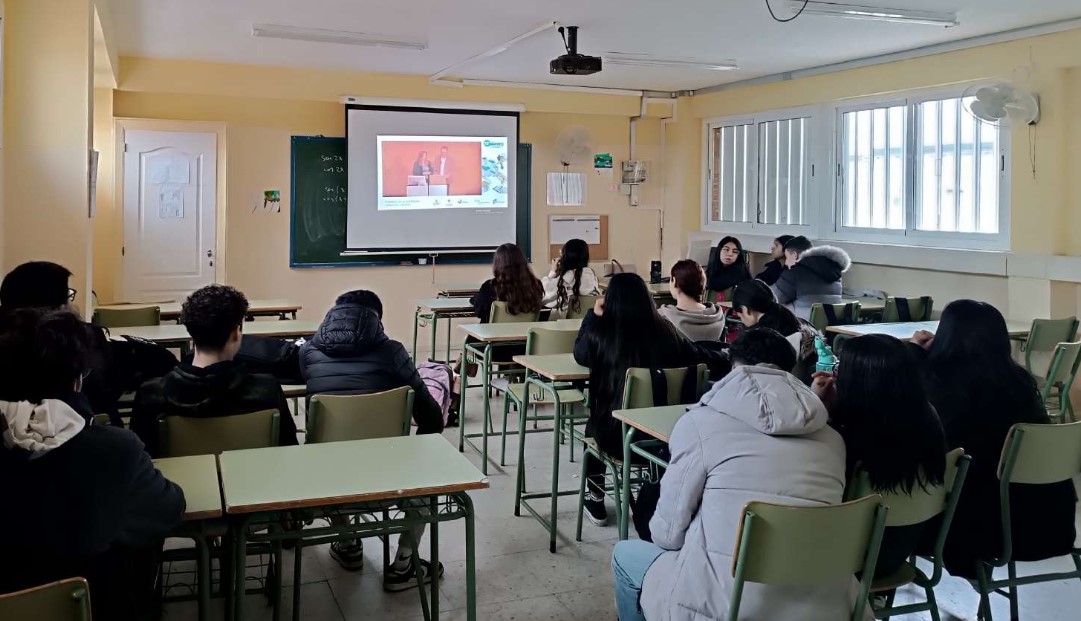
(523, 233)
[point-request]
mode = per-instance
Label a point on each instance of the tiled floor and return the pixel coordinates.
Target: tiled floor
(519, 580)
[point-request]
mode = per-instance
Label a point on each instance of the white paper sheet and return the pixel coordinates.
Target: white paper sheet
(169, 168)
(171, 200)
(566, 189)
(562, 229)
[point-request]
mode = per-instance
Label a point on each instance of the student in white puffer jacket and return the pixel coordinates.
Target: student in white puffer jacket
(759, 434)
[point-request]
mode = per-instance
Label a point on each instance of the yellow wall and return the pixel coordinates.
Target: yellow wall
(108, 230)
(260, 120)
(48, 65)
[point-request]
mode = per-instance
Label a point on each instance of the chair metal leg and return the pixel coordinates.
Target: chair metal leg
(568, 421)
(982, 578)
(581, 496)
(1015, 614)
(503, 440)
(889, 603)
(520, 482)
(932, 603)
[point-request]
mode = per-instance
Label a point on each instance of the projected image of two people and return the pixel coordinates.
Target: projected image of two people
(455, 165)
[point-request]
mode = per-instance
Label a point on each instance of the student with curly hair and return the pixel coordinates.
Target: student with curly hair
(212, 384)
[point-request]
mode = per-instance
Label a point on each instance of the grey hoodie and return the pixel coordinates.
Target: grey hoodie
(758, 434)
(705, 325)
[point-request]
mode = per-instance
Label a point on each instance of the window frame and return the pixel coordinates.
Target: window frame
(812, 166)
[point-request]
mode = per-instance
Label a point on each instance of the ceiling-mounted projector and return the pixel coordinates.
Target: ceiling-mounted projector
(573, 63)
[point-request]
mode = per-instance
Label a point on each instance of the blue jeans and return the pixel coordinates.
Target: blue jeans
(630, 561)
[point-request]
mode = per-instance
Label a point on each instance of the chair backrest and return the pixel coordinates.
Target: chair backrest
(127, 317)
(180, 436)
(908, 309)
(66, 600)
(1063, 369)
(1035, 454)
(826, 315)
(336, 418)
(586, 302)
(638, 386)
(924, 503)
(500, 314)
(1043, 338)
(808, 545)
(548, 341)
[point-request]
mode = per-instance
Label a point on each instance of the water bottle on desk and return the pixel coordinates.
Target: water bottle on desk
(827, 360)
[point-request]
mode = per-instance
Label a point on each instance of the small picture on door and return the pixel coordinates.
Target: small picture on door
(171, 200)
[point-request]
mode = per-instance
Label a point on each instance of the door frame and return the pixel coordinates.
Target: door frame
(121, 125)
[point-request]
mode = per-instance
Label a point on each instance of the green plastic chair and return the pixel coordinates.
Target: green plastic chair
(907, 309)
(807, 546)
(637, 393)
(66, 600)
(1032, 455)
(586, 302)
(500, 314)
(1042, 340)
(337, 418)
(541, 342)
(180, 436)
(906, 510)
(1055, 388)
(127, 317)
(826, 315)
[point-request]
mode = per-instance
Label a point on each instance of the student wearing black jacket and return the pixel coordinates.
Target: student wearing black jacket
(979, 393)
(726, 268)
(512, 282)
(213, 384)
(622, 331)
(773, 270)
(82, 500)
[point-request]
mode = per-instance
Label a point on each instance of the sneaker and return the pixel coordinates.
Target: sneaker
(395, 580)
(349, 554)
(595, 510)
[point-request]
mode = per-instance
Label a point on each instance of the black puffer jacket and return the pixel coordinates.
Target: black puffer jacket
(351, 354)
(816, 279)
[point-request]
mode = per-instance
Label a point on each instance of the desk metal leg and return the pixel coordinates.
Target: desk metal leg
(435, 330)
(239, 567)
(202, 550)
(519, 485)
(556, 435)
(433, 505)
(625, 509)
(470, 559)
(486, 379)
(416, 329)
(450, 328)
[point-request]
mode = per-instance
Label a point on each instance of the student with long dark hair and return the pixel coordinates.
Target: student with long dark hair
(512, 282)
(570, 278)
(622, 331)
(773, 270)
(727, 267)
(877, 402)
(754, 302)
(695, 319)
(979, 391)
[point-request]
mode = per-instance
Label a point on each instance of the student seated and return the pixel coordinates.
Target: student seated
(979, 393)
(891, 432)
(813, 276)
(756, 306)
(212, 384)
(622, 331)
(757, 435)
(727, 267)
(80, 499)
(570, 278)
(512, 282)
(41, 284)
(776, 266)
(695, 320)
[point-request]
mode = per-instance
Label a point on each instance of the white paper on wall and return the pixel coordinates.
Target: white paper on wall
(169, 168)
(566, 189)
(562, 229)
(171, 200)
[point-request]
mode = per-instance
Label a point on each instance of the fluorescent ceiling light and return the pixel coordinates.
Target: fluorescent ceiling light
(880, 14)
(343, 37)
(636, 60)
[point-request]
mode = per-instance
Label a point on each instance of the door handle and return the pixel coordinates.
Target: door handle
(209, 253)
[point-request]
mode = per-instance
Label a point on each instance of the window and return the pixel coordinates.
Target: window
(759, 172)
(873, 168)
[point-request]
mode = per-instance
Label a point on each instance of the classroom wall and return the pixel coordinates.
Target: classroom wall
(1045, 205)
(263, 107)
(107, 238)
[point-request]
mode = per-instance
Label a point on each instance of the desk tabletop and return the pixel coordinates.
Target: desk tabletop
(458, 288)
(295, 390)
(175, 333)
(655, 288)
(867, 304)
(445, 304)
(197, 475)
(511, 332)
(555, 367)
(655, 422)
(335, 473)
(171, 310)
(905, 330)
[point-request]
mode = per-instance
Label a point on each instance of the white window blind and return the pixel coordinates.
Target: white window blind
(873, 176)
(783, 170)
(732, 185)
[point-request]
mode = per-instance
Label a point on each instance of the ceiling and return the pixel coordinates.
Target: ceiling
(220, 31)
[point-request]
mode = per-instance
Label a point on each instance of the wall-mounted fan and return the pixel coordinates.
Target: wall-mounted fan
(575, 146)
(1002, 104)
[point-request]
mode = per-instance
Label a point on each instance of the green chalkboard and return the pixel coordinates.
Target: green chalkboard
(318, 209)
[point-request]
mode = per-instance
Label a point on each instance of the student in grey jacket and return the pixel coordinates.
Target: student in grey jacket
(813, 276)
(758, 434)
(696, 320)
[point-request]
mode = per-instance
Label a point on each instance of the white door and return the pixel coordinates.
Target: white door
(170, 213)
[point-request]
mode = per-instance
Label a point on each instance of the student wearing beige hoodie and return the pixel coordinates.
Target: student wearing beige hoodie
(696, 320)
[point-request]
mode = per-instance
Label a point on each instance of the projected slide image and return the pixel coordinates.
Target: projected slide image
(441, 172)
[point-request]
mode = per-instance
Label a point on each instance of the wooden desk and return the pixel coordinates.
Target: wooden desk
(173, 334)
(336, 474)
(295, 391)
(487, 336)
(452, 290)
(170, 311)
(867, 305)
(547, 372)
(656, 423)
(434, 309)
(905, 330)
(198, 477)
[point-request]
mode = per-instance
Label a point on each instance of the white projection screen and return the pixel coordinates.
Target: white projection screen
(429, 180)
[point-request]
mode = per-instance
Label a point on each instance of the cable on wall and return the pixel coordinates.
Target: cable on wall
(785, 21)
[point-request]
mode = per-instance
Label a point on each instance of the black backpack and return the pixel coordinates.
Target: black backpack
(135, 360)
(271, 356)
